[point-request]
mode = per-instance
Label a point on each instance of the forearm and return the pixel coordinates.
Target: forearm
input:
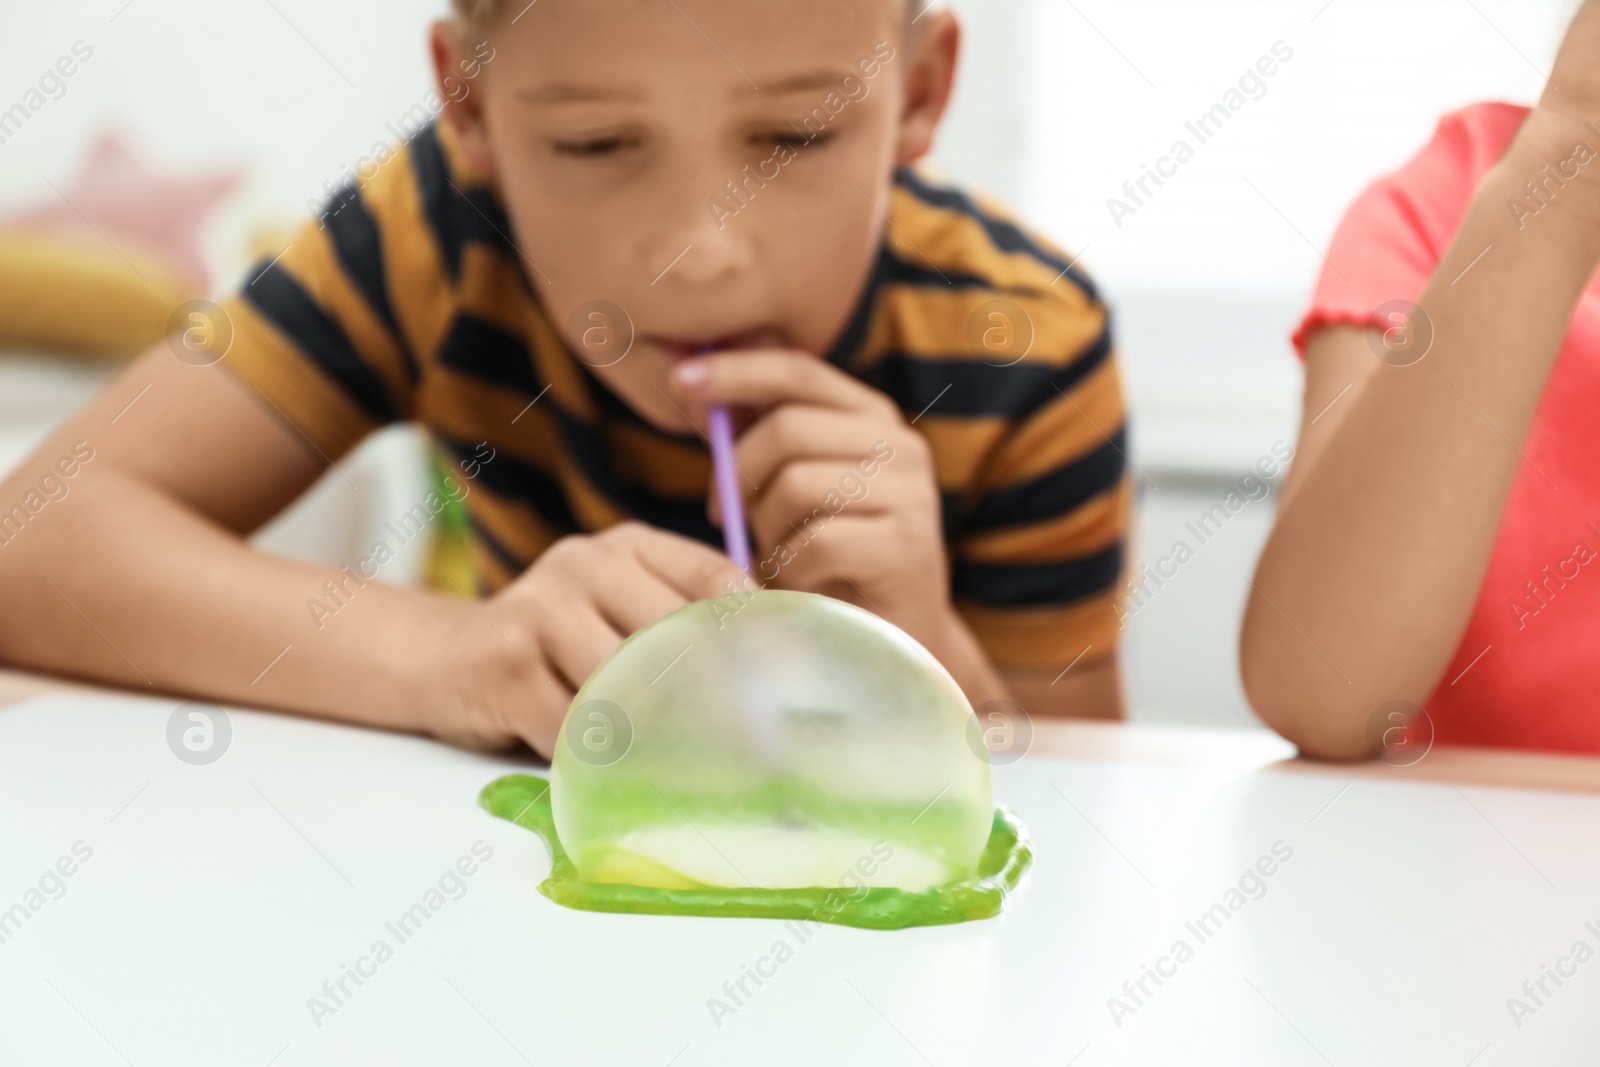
(120, 583)
(954, 645)
(1380, 545)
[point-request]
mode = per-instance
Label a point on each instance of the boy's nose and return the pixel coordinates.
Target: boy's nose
(708, 246)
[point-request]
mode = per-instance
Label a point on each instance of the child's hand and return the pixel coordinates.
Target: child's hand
(1551, 138)
(531, 646)
(840, 491)
(1574, 87)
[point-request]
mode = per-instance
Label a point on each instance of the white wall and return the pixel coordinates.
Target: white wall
(200, 84)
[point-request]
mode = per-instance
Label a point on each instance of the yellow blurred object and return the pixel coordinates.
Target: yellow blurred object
(450, 566)
(70, 297)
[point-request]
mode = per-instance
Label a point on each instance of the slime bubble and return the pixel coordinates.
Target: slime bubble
(771, 739)
(771, 753)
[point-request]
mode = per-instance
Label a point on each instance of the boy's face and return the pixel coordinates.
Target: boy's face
(614, 128)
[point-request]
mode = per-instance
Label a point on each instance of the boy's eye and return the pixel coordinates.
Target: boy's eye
(590, 147)
(791, 139)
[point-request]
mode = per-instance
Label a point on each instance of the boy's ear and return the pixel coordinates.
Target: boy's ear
(930, 75)
(464, 112)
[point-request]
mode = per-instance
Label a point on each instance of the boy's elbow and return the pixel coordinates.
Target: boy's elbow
(1287, 694)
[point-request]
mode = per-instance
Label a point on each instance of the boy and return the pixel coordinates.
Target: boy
(638, 208)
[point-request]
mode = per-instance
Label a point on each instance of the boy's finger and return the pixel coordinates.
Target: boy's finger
(632, 597)
(803, 431)
(577, 641)
(856, 545)
(538, 721)
(802, 501)
(761, 378)
(694, 570)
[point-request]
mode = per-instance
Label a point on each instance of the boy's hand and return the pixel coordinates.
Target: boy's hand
(529, 647)
(840, 491)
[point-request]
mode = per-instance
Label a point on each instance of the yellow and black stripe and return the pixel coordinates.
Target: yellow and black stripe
(410, 301)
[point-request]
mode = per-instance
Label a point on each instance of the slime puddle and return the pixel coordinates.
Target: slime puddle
(665, 856)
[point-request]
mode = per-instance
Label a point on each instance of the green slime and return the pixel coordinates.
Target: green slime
(524, 799)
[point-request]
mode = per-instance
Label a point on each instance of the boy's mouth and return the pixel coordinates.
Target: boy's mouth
(681, 348)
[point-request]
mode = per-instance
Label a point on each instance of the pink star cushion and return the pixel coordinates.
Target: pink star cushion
(119, 201)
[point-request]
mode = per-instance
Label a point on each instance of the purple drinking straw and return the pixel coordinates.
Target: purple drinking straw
(728, 497)
(729, 500)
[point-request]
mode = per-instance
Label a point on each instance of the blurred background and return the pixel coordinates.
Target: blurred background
(237, 117)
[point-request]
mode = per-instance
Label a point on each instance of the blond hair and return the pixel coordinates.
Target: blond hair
(479, 15)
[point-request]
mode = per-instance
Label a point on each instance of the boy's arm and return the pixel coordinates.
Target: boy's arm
(1391, 510)
(140, 576)
(1087, 691)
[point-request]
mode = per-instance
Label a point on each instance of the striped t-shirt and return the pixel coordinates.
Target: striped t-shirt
(409, 301)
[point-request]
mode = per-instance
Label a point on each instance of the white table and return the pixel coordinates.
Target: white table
(218, 899)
